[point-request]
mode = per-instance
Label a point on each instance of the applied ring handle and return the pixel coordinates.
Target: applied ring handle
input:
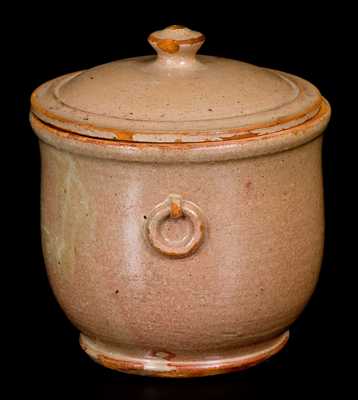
(175, 207)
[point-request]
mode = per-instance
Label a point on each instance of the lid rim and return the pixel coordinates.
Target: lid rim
(194, 152)
(160, 134)
(195, 136)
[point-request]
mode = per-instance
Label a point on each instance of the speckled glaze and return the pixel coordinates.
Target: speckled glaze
(192, 252)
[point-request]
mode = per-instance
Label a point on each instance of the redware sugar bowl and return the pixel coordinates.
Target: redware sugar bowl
(182, 206)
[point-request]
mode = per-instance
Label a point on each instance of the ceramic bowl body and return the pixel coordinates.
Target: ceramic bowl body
(183, 260)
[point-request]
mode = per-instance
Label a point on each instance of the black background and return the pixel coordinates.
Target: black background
(48, 40)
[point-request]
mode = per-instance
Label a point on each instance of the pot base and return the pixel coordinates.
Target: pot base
(163, 364)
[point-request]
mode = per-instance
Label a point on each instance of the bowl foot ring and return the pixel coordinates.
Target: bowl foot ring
(164, 364)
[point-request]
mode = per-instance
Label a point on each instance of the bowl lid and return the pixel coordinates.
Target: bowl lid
(176, 96)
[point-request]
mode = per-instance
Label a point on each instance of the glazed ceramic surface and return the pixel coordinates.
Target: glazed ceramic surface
(182, 229)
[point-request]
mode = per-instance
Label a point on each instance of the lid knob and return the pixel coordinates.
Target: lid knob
(176, 45)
